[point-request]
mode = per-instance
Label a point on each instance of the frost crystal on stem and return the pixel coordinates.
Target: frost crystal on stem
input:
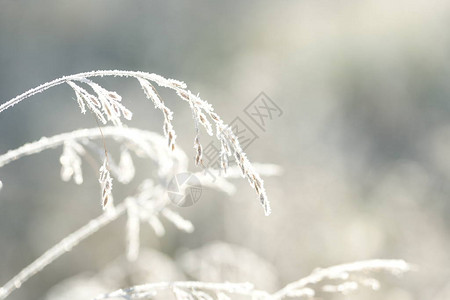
(106, 105)
(306, 287)
(105, 182)
(150, 201)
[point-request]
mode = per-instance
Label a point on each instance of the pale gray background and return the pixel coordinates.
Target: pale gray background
(364, 139)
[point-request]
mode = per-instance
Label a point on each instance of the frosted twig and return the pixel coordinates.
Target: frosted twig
(105, 182)
(169, 83)
(153, 95)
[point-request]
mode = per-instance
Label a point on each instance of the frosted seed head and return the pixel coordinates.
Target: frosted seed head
(205, 123)
(214, 116)
(199, 153)
(94, 100)
(105, 183)
(80, 102)
(127, 114)
(116, 109)
(150, 92)
(114, 96)
(108, 111)
(183, 94)
(176, 83)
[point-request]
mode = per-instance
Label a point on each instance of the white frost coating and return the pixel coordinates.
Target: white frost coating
(300, 288)
(105, 182)
(145, 143)
(106, 106)
(393, 266)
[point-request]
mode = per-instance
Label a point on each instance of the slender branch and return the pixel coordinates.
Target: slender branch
(62, 247)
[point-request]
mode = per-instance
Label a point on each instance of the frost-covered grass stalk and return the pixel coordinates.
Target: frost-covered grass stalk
(150, 204)
(151, 201)
(146, 206)
(107, 106)
(349, 277)
(143, 143)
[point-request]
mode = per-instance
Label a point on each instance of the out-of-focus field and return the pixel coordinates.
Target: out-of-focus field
(364, 138)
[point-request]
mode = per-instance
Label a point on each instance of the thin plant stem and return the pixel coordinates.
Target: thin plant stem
(76, 77)
(392, 265)
(57, 140)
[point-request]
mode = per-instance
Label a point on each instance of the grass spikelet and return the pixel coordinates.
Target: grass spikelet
(105, 182)
(106, 105)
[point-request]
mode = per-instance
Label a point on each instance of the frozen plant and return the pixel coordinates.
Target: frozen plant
(348, 278)
(107, 106)
(148, 205)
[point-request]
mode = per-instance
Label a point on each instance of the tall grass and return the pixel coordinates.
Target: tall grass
(150, 204)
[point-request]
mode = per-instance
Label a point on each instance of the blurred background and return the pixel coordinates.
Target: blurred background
(364, 137)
